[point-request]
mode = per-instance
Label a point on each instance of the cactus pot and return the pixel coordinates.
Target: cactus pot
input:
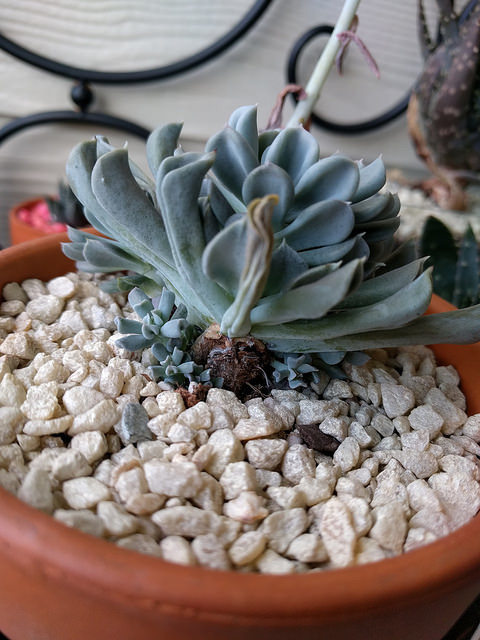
(21, 231)
(59, 583)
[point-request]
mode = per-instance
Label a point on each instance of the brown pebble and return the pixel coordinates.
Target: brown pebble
(316, 439)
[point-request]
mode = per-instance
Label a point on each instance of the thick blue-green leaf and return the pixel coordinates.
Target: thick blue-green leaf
(162, 143)
(267, 179)
(79, 169)
(220, 207)
(144, 181)
(452, 327)
(314, 274)
(294, 150)
(103, 255)
(73, 250)
(377, 230)
(331, 253)
(285, 267)
(372, 179)
(335, 177)
(395, 311)
(370, 208)
(321, 224)
(244, 121)
(265, 139)
(179, 193)
(132, 342)
(383, 286)
(211, 225)
(135, 219)
(126, 325)
(309, 301)
(224, 257)
(392, 209)
(174, 328)
(234, 159)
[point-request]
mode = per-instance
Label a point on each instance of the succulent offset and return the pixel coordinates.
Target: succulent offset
(262, 237)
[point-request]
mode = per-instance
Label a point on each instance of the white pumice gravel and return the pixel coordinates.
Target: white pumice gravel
(225, 484)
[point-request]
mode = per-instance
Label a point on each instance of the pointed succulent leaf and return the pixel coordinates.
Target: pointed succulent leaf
(335, 177)
(220, 207)
(126, 204)
(266, 179)
(144, 181)
(332, 253)
(372, 207)
(314, 274)
(285, 267)
(107, 255)
(257, 259)
(372, 179)
(224, 257)
(162, 143)
(395, 311)
(378, 229)
(79, 169)
(179, 192)
(465, 292)
(309, 301)
(234, 159)
(265, 139)
(133, 342)
(453, 327)
(321, 224)
(437, 242)
(126, 325)
(294, 150)
(73, 250)
(244, 121)
(383, 286)
(174, 328)
(164, 306)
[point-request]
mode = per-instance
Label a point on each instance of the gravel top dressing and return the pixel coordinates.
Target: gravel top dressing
(352, 472)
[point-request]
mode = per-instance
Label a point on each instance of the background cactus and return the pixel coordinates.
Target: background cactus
(455, 265)
(66, 208)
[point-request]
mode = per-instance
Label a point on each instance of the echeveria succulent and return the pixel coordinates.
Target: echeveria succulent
(262, 237)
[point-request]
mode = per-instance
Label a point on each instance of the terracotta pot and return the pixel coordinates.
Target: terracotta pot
(58, 583)
(21, 231)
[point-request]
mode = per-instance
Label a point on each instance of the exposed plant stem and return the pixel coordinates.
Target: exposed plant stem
(314, 86)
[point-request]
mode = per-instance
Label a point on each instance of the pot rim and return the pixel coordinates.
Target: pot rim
(40, 543)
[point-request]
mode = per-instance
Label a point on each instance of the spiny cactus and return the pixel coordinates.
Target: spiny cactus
(456, 274)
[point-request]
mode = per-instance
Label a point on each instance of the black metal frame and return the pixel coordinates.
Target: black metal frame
(82, 95)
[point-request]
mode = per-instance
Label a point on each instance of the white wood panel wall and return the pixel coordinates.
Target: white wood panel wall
(136, 34)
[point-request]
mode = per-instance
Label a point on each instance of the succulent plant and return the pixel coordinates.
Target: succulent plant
(263, 238)
(165, 330)
(456, 273)
(270, 248)
(66, 208)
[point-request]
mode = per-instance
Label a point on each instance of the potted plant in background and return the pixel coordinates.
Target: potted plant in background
(37, 217)
(289, 265)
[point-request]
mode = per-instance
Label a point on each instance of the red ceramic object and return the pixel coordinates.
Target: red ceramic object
(21, 231)
(60, 584)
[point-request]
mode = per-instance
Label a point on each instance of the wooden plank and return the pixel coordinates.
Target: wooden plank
(125, 35)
